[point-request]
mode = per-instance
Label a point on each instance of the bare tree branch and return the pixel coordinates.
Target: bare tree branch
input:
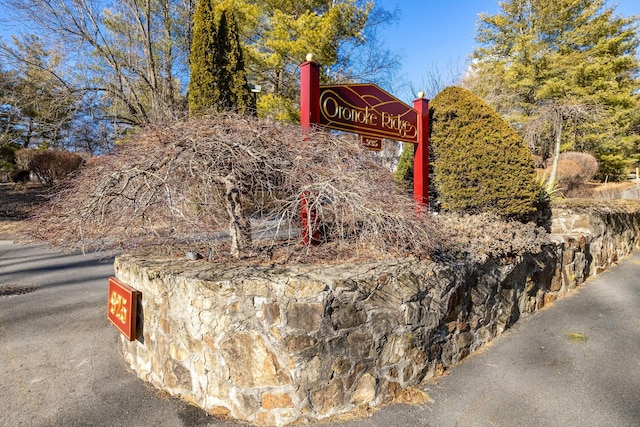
(192, 181)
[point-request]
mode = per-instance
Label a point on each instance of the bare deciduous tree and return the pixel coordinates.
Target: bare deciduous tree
(548, 125)
(190, 181)
(133, 52)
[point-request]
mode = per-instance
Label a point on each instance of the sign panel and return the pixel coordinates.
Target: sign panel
(122, 307)
(371, 143)
(369, 111)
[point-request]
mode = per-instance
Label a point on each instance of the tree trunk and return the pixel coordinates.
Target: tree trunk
(239, 225)
(556, 155)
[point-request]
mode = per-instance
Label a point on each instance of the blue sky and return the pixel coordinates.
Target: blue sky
(430, 34)
(440, 34)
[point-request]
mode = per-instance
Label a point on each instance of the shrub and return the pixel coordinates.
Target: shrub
(587, 163)
(188, 181)
(568, 176)
(404, 171)
(54, 165)
(7, 154)
(486, 235)
(575, 169)
(18, 175)
(480, 163)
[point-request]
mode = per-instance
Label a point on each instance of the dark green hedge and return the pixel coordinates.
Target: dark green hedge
(480, 163)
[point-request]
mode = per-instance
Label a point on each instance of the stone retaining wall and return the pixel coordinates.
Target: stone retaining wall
(272, 345)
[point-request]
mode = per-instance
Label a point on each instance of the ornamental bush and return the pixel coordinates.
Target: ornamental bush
(51, 166)
(480, 163)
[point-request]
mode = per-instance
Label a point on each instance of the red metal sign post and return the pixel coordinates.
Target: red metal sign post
(309, 117)
(421, 154)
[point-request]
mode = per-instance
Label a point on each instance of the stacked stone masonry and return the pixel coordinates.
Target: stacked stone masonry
(275, 345)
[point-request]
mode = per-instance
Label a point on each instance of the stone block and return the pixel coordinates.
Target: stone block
(328, 399)
(393, 351)
(276, 401)
(178, 353)
(254, 287)
(264, 418)
(347, 316)
(209, 340)
(354, 374)
(412, 313)
(304, 288)
(312, 371)
(341, 366)
(251, 363)
(246, 404)
(178, 377)
(296, 343)
(365, 391)
(164, 325)
(271, 312)
(359, 344)
(464, 339)
(304, 316)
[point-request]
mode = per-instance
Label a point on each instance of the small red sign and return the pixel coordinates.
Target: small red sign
(367, 110)
(122, 308)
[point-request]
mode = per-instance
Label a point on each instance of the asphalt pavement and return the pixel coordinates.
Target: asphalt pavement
(576, 363)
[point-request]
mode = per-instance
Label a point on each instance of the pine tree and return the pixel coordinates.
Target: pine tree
(203, 90)
(404, 171)
(537, 53)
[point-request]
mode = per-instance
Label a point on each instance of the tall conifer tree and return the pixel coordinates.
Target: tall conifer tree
(235, 93)
(218, 77)
(203, 60)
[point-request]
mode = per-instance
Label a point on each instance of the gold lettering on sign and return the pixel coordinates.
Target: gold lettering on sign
(395, 122)
(118, 306)
(338, 111)
(333, 110)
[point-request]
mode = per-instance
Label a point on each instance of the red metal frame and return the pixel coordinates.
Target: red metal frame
(310, 116)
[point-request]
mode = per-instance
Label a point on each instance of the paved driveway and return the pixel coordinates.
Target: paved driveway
(60, 359)
(574, 364)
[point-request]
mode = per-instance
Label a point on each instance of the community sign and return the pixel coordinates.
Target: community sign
(369, 111)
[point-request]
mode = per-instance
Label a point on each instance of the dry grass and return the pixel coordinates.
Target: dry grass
(408, 396)
(10, 229)
(412, 396)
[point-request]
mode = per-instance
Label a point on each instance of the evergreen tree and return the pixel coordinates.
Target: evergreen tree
(537, 53)
(234, 90)
(203, 59)
(404, 171)
(36, 106)
(218, 77)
